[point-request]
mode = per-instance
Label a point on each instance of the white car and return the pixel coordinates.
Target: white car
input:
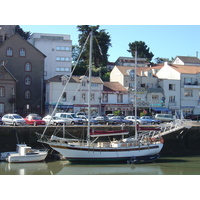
(13, 119)
(132, 118)
(55, 120)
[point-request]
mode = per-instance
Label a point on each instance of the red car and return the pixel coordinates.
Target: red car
(33, 120)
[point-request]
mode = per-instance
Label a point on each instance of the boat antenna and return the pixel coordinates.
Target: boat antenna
(89, 87)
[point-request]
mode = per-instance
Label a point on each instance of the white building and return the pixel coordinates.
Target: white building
(115, 97)
(150, 95)
(186, 60)
(58, 49)
(75, 97)
(184, 86)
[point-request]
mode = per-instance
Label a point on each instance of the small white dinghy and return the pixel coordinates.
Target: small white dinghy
(24, 154)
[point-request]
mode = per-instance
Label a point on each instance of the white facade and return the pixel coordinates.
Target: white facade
(149, 94)
(58, 49)
(182, 83)
(75, 96)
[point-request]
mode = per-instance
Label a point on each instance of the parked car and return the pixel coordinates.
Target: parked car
(13, 119)
(149, 120)
(164, 117)
(192, 117)
(119, 120)
(54, 120)
(93, 121)
(33, 120)
(79, 114)
(110, 115)
(70, 118)
(34, 115)
(101, 119)
(132, 118)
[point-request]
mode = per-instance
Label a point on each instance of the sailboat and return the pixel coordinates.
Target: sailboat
(140, 148)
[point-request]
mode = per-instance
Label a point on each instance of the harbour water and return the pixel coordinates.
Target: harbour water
(163, 166)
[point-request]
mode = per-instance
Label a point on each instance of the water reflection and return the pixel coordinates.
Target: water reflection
(164, 166)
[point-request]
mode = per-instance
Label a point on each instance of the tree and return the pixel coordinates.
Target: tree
(142, 49)
(25, 35)
(101, 44)
(162, 60)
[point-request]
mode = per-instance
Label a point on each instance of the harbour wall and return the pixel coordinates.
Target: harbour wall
(180, 143)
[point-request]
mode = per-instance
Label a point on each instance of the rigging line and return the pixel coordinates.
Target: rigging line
(98, 46)
(64, 88)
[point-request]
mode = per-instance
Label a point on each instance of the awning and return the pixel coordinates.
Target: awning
(160, 109)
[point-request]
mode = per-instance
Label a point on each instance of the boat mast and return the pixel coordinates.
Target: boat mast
(135, 79)
(89, 88)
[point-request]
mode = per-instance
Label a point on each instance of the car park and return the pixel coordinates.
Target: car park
(33, 120)
(148, 120)
(70, 118)
(53, 120)
(13, 119)
(164, 117)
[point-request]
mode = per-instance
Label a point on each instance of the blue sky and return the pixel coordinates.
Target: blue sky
(165, 41)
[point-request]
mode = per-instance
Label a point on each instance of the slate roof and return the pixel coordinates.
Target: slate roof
(187, 59)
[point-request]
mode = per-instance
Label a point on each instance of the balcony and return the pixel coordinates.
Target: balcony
(193, 85)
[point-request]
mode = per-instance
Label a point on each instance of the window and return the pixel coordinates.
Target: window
(27, 80)
(62, 59)
(9, 52)
(155, 98)
(187, 80)
(171, 86)
(94, 85)
(1, 75)
(2, 91)
(171, 99)
(84, 96)
(28, 67)
(64, 97)
(62, 69)
(58, 48)
(105, 97)
(64, 82)
(188, 93)
(1, 107)
(27, 94)
(92, 97)
(22, 52)
(83, 83)
(119, 98)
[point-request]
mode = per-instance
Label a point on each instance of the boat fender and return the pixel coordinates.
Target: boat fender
(161, 140)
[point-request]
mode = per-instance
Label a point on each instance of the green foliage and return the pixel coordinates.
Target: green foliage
(117, 112)
(101, 43)
(142, 49)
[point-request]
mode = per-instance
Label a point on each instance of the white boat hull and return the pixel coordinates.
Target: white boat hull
(75, 153)
(17, 158)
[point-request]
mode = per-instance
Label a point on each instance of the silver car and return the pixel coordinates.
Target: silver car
(13, 119)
